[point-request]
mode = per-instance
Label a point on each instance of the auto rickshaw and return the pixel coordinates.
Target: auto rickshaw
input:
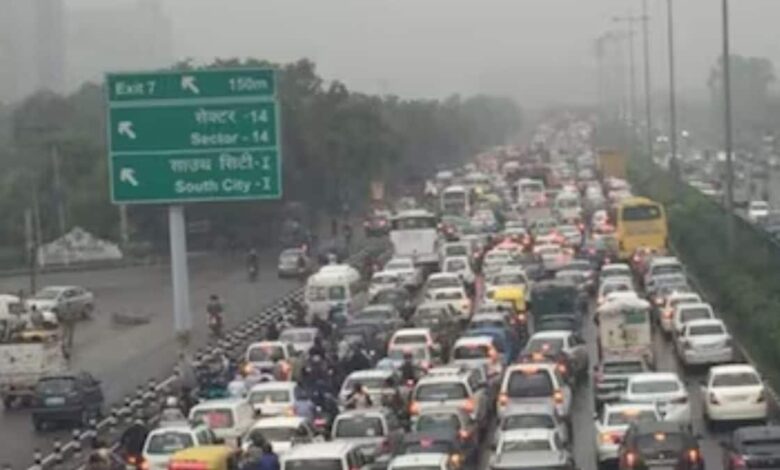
(212, 457)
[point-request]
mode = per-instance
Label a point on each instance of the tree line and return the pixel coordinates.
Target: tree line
(334, 142)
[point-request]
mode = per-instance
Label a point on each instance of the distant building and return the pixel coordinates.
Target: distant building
(117, 36)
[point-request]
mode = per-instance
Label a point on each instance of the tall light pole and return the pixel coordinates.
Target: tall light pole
(726, 64)
(630, 20)
(672, 92)
(648, 86)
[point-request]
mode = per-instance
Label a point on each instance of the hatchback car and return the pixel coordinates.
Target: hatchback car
(449, 418)
(376, 432)
(533, 416)
(534, 383)
(661, 444)
(74, 398)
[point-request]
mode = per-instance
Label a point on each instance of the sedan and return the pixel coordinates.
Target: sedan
(73, 301)
(660, 445)
(734, 392)
(663, 388)
(704, 342)
(613, 422)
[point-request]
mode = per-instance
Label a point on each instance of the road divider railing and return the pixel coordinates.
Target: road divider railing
(146, 401)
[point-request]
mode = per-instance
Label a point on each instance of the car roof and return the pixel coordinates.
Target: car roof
(616, 266)
(278, 422)
(473, 340)
(443, 378)
(364, 413)
(706, 322)
(370, 374)
(522, 434)
(530, 408)
(694, 305)
(273, 385)
(552, 334)
(412, 331)
(660, 426)
(419, 460)
(319, 450)
(220, 402)
(754, 432)
(663, 260)
(442, 434)
(654, 376)
(732, 368)
(182, 427)
(446, 290)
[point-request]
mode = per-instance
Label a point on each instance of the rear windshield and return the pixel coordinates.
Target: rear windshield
(270, 396)
(312, 464)
(274, 434)
(545, 345)
(508, 279)
(528, 421)
(626, 417)
(56, 386)
(533, 384)
(456, 250)
(455, 265)
(471, 352)
(265, 353)
(659, 386)
(168, 442)
(412, 223)
(735, 379)
(372, 383)
(358, 427)
(428, 446)
(454, 295)
(442, 282)
(215, 419)
(703, 330)
(322, 293)
(410, 339)
(633, 367)
(529, 445)
(695, 314)
(660, 441)
(441, 391)
(437, 422)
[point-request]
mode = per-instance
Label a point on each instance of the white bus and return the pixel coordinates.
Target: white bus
(414, 234)
(455, 201)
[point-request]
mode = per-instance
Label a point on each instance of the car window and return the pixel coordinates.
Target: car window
(168, 442)
(358, 426)
(530, 384)
(545, 345)
(656, 386)
(269, 396)
(441, 391)
(660, 441)
(627, 417)
(218, 418)
(704, 330)
(471, 351)
(432, 422)
(528, 421)
(526, 445)
(736, 379)
(696, 313)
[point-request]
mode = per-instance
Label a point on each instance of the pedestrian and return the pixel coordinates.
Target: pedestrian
(67, 319)
(269, 459)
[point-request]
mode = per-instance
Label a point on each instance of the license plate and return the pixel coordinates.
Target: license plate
(54, 401)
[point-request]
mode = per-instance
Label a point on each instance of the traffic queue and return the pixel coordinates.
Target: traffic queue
(464, 345)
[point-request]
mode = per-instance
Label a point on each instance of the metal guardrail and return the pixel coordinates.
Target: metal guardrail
(148, 398)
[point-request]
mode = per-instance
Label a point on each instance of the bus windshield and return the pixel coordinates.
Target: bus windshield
(641, 213)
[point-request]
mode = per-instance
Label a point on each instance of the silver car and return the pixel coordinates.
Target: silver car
(64, 300)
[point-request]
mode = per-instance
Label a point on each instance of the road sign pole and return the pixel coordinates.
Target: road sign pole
(182, 315)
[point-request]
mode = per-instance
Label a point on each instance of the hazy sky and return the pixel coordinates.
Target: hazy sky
(537, 50)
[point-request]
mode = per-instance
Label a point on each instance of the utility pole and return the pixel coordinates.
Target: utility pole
(648, 86)
(672, 92)
(602, 101)
(630, 20)
(726, 64)
(58, 190)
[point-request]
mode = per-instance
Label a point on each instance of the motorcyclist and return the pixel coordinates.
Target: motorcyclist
(252, 263)
(358, 398)
(215, 311)
(408, 368)
(132, 440)
(392, 400)
(323, 326)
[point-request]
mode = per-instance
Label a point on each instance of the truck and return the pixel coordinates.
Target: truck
(26, 357)
(624, 329)
(612, 164)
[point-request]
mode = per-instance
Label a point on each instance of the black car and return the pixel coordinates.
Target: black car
(367, 334)
(398, 297)
(74, 398)
(752, 447)
(444, 441)
(662, 444)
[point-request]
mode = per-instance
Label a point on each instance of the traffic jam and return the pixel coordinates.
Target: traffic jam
(526, 314)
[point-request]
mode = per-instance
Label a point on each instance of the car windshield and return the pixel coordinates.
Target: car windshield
(526, 445)
(168, 442)
(695, 313)
(704, 330)
(47, 294)
(323, 293)
(508, 279)
(736, 379)
(384, 279)
(456, 250)
(442, 282)
(410, 339)
(215, 418)
(449, 295)
(270, 396)
(530, 384)
(455, 265)
(441, 391)
(435, 422)
(388, 296)
(657, 386)
(265, 353)
(545, 345)
(472, 351)
(667, 269)
(626, 367)
(313, 464)
(627, 417)
(358, 426)
(398, 353)
(660, 441)
(297, 336)
(56, 386)
(290, 256)
(528, 421)
(428, 445)
(279, 434)
(398, 266)
(373, 315)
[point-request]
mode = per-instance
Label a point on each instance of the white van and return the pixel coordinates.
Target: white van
(335, 286)
(229, 418)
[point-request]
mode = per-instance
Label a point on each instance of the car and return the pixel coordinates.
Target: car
(527, 442)
(337, 455)
(514, 278)
(444, 441)
(533, 416)
(477, 351)
(399, 298)
(458, 248)
(571, 234)
(376, 432)
(404, 267)
(438, 281)
(554, 257)
(74, 301)
(386, 316)
(757, 210)
(69, 397)
(301, 338)
(442, 319)
(274, 398)
(614, 284)
(666, 282)
(459, 388)
(614, 270)
(270, 357)
(613, 422)
(659, 444)
(367, 334)
(425, 460)
(412, 337)
(449, 418)
(611, 376)
(504, 320)
(685, 313)
(455, 296)
(663, 388)
(375, 382)
(493, 261)
(282, 432)
(382, 280)
(704, 342)
(552, 343)
(663, 266)
(461, 266)
(531, 383)
(502, 339)
(293, 262)
(163, 442)
(734, 392)
(752, 447)
(557, 460)
(422, 356)
(670, 302)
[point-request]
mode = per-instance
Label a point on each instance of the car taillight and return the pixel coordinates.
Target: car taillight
(468, 405)
(414, 408)
(425, 365)
(410, 383)
(693, 455)
(144, 464)
(611, 438)
(558, 396)
(522, 317)
(713, 399)
(630, 459)
(738, 462)
(455, 460)
(503, 399)
(464, 435)
(667, 314)
(320, 422)
(659, 301)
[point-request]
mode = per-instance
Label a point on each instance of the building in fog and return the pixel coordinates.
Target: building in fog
(117, 36)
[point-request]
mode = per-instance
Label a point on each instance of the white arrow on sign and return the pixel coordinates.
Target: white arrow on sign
(126, 128)
(188, 83)
(127, 175)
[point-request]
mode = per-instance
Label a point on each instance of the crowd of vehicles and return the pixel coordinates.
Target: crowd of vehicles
(462, 345)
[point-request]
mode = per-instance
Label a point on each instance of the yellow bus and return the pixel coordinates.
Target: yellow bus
(640, 223)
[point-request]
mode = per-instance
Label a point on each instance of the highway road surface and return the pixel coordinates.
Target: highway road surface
(123, 357)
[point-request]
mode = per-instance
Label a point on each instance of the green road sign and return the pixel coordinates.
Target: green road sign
(188, 85)
(194, 136)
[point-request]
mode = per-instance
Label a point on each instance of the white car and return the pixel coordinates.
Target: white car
(528, 383)
(438, 281)
(452, 386)
(529, 442)
(283, 432)
(757, 210)
(273, 398)
(664, 389)
(454, 296)
(461, 266)
(404, 268)
(672, 301)
(382, 280)
(612, 424)
(420, 461)
(532, 416)
(614, 284)
(553, 257)
(301, 339)
(704, 342)
(734, 392)
(411, 337)
(475, 351)
(163, 442)
(614, 270)
(685, 313)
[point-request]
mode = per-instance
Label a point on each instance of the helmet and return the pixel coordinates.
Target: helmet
(172, 402)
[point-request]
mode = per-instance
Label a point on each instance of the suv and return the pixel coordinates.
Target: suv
(455, 387)
(534, 383)
(67, 397)
(661, 444)
(376, 432)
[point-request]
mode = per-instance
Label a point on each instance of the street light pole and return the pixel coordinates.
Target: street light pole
(631, 65)
(672, 92)
(648, 86)
(726, 64)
